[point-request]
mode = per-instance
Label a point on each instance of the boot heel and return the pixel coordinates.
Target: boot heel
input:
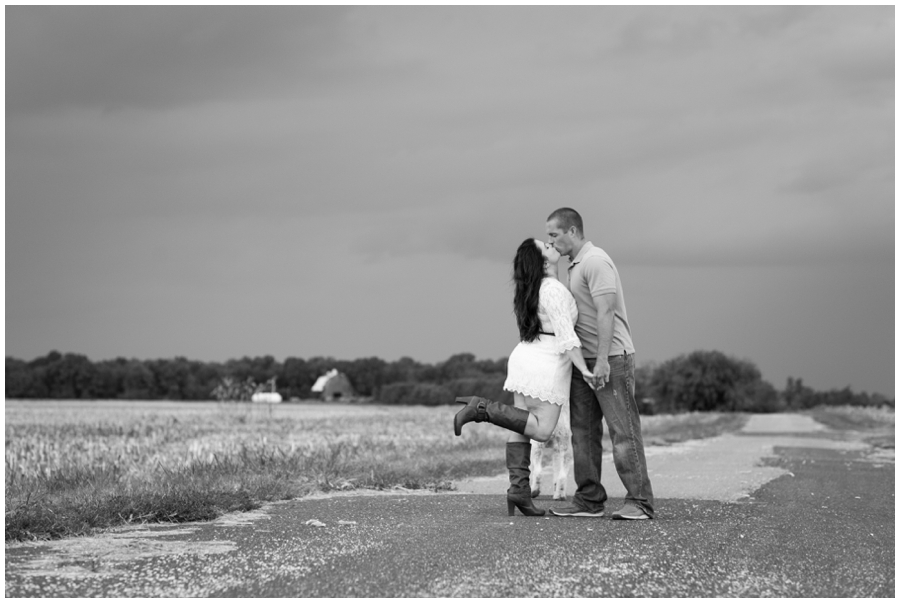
(511, 507)
(525, 506)
(518, 458)
(473, 411)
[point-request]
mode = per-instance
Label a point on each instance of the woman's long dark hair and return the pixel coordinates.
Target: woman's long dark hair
(528, 272)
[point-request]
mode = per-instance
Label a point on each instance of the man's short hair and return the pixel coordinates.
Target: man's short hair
(566, 218)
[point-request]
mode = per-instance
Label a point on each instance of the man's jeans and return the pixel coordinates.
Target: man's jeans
(615, 401)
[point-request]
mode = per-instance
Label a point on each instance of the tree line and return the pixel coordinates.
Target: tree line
(699, 381)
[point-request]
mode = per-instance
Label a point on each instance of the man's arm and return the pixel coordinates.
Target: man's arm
(605, 305)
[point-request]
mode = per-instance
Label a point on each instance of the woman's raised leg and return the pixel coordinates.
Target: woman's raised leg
(542, 417)
(530, 417)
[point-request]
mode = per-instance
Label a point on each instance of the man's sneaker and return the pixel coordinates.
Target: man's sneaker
(574, 511)
(630, 512)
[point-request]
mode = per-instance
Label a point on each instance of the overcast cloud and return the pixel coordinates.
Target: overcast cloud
(216, 182)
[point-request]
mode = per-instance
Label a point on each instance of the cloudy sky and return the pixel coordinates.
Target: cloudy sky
(217, 182)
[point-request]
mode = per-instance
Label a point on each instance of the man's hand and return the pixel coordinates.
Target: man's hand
(601, 373)
(606, 315)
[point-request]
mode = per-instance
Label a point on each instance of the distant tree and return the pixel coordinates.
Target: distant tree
(169, 378)
(321, 364)
(757, 395)
(701, 380)
(487, 386)
(457, 366)
(403, 370)
(798, 396)
(203, 377)
(52, 358)
(492, 367)
(406, 393)
(429, 373)
(366, 374)
(108, 377)
(264, 368)
(138, 382)
(709, 380)
(19, 379)
(643, 378)
(69, 376)
(296, 378)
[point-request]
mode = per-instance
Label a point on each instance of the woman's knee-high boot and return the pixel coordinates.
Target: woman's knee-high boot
(518, 460)
(481, 409)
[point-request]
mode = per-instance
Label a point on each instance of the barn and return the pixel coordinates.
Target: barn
(333, 385)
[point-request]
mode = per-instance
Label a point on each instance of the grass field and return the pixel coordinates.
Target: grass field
(75, 466)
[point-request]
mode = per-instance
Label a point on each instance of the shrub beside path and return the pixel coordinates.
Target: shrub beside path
(785, 508)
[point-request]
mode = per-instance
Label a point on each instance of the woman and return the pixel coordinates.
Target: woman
(539, 369)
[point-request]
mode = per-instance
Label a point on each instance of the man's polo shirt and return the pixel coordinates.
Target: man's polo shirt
(592, 273)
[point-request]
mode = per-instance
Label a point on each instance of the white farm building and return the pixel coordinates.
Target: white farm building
(333, 385)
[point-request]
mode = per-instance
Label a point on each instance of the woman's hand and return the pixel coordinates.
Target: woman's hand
(588, 376)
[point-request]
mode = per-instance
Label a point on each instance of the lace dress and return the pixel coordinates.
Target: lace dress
(541, 368)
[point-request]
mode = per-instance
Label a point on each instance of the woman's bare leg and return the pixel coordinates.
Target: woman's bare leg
(542, 419)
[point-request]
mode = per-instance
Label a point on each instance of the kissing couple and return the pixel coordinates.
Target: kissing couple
(585, 326)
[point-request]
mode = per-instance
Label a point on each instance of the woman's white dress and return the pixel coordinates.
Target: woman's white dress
(541, 368)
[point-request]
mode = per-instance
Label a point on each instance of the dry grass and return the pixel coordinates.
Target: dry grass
(854, 417)
(876, 423)
(75, 466)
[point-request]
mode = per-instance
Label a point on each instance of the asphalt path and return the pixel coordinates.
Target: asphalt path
(786, 508)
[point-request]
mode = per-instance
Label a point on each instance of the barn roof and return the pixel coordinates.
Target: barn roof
(320, 383)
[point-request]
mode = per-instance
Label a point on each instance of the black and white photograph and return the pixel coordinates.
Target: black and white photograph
(450, 301)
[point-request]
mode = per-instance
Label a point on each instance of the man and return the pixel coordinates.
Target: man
(605, 335)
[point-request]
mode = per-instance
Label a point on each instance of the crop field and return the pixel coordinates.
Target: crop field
(76, 466)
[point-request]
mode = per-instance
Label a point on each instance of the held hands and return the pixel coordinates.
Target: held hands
(600, 376)
(588, 377)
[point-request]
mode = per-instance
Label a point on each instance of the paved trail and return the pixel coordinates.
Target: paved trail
(785, 508)
(725, 468)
